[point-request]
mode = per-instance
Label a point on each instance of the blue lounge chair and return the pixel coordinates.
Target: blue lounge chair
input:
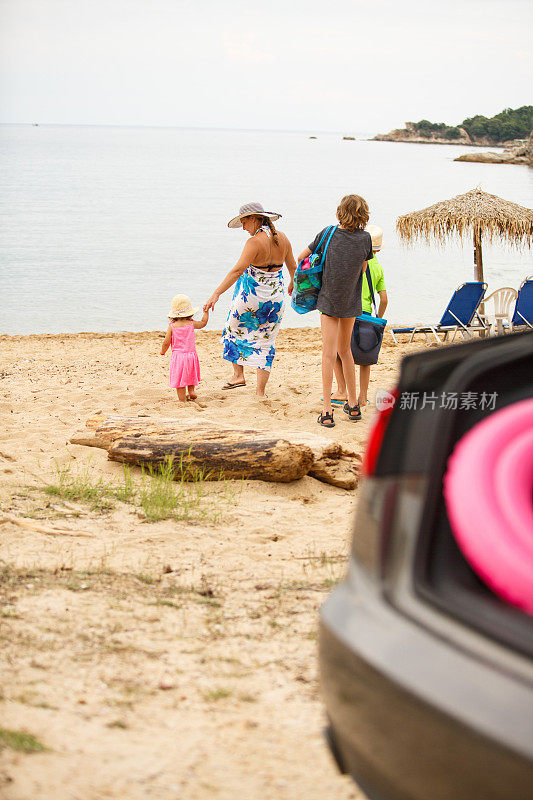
(459, 315)
(523, 310)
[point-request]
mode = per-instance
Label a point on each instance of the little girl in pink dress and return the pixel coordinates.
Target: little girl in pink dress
(184, 364)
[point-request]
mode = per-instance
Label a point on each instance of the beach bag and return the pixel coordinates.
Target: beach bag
(367, 333)
(308, 276)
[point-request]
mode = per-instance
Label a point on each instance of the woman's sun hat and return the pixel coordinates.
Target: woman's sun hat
(377, 236)
(249, 210)
(181, 306)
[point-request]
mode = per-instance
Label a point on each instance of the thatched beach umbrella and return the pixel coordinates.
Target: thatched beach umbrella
(475, 214)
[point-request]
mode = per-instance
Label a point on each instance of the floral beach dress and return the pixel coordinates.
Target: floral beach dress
(254, 318)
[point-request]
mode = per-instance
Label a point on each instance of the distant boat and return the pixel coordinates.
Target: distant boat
(35, 124)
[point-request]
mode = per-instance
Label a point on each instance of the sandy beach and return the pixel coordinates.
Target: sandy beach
(175, 658)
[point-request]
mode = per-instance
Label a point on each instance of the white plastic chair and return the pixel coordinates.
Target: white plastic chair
(502, 312)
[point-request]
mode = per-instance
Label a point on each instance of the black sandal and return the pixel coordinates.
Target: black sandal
(322, 419)
(354, 412)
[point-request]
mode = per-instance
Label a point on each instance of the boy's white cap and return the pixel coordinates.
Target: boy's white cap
(181, 306)
(377, 236)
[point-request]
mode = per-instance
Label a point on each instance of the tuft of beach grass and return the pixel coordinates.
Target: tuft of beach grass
(166, 491)
(21, 741)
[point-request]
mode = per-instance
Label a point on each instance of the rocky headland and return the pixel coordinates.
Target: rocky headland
(412, 135)
(509, 128)
(523, 154)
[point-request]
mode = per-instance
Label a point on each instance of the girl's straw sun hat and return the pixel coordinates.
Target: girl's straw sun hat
(181, 306)
(250, 209)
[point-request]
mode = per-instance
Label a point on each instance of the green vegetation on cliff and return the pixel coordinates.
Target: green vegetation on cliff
(512, 123)
(428, 129)
(508, 124)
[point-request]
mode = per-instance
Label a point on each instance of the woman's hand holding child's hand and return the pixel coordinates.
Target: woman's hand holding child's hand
(210, 305)
(203, 322)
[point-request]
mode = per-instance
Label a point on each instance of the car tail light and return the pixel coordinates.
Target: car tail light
(386, 402)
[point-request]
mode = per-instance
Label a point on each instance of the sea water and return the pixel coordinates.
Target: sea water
(102, 226)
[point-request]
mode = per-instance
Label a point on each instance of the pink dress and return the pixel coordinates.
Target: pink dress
(184, 364)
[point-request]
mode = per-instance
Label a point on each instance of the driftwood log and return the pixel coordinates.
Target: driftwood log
(204, 448)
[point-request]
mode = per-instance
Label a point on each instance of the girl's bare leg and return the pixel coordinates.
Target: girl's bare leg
(340, 393)
(344, 350)
(192, 394)
(182, 394)
(364, 380)
(262, 378)
(329, 327)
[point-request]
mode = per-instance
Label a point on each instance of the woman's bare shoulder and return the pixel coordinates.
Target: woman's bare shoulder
(283, 239)
(251, 246)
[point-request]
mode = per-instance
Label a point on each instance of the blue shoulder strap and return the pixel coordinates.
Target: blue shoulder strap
(322, 239)
(332, 231)
(369, 281)
(328, 229)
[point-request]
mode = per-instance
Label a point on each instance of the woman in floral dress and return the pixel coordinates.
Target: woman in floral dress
(257, 307)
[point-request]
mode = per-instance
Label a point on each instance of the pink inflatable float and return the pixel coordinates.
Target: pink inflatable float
(488, 489)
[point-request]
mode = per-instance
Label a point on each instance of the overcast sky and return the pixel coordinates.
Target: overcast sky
(343, 65)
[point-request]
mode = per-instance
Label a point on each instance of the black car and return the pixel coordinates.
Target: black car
(426, 672)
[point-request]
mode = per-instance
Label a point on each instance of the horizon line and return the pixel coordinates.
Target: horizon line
(179, 127)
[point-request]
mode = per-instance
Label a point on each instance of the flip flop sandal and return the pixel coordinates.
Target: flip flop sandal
(354, 412)
(229, 385)
(322, 420)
